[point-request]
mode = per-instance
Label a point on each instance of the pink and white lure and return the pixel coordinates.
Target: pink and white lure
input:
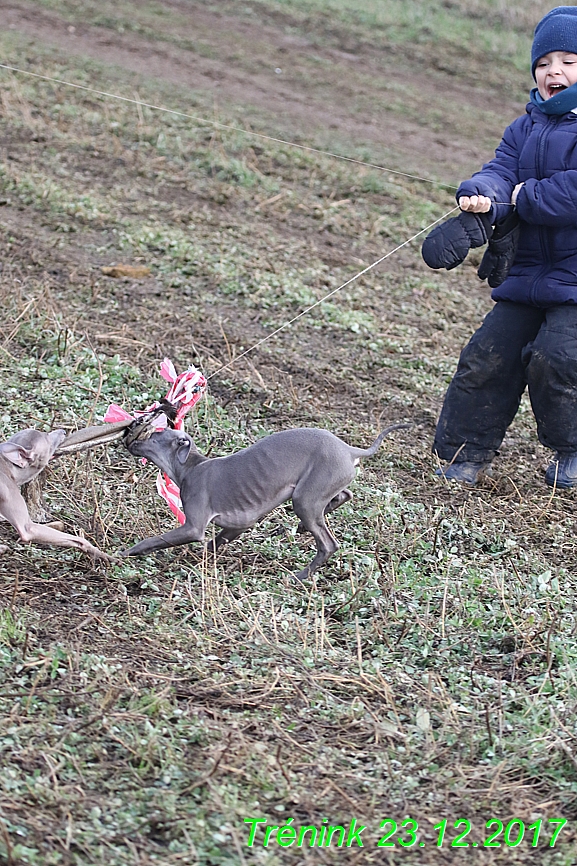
(185, 391)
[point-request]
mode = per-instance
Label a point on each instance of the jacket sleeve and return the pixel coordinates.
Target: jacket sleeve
(498, 177)
(551, 201)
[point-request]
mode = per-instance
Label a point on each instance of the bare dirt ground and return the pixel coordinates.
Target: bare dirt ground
(234, 57)
(241, 237)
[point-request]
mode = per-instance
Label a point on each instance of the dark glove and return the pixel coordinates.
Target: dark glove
(448, 244)
(500, 253)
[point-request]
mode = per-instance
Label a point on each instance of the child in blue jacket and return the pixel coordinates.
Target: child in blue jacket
(530, 336)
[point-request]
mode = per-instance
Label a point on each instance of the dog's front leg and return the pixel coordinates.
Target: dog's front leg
(13, 508)
(184, 534)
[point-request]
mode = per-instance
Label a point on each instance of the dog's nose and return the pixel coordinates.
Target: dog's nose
(138, 431)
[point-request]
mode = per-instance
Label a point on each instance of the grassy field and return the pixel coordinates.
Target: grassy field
(427, 673)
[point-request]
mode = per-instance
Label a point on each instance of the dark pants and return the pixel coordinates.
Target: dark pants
(516, 346)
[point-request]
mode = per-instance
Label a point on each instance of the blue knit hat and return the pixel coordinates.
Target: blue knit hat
(557, 31)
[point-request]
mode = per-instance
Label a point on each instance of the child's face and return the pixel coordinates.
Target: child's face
(555, 72)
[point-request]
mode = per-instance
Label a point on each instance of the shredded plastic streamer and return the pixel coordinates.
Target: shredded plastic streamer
(186, 390)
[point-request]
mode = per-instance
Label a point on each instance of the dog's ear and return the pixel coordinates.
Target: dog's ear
(184, 444)
(16, 454)
(55, 438)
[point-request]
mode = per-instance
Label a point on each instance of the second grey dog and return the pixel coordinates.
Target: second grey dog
(310, 466)
(22, 458)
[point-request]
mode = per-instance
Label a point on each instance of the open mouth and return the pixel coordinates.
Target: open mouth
(552, 89)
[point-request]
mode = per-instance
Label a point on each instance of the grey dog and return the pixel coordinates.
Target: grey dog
(310, 466)
(22, 458)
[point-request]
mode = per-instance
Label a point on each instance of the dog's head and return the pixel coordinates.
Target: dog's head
(168, 449)
(29, 451)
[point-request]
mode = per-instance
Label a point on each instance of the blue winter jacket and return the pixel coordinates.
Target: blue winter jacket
(541, 151)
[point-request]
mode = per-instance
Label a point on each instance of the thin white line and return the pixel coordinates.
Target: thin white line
(215, 123)
(330, 294)
(277, 141)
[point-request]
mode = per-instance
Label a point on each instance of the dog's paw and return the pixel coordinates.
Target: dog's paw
(99, 556)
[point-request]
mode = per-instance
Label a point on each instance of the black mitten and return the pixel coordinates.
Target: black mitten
(448, 244)
(500, 253)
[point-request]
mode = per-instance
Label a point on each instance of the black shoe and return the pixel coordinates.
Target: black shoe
(562, 472)
(468, 473)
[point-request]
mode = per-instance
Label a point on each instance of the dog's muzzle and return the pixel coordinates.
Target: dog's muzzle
(139, 430)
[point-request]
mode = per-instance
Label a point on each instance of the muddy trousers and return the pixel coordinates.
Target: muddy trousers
(517, 346)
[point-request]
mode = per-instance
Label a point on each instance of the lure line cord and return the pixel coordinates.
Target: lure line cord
(262, 136)
(226, 126)
(330, 294)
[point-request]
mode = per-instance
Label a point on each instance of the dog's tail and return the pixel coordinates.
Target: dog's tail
(368, 452)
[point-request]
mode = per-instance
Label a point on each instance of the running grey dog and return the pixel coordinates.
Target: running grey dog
(22, 458)
(310, 466)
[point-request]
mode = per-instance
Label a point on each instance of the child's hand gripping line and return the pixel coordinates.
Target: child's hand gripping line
(448, 244)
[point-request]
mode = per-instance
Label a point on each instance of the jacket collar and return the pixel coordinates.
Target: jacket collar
(537, 116)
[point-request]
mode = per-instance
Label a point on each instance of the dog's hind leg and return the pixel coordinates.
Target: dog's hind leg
(224, 537)
(336, 502)
(325, 541)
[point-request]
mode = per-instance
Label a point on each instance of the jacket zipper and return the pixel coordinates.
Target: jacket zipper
(543, 230)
